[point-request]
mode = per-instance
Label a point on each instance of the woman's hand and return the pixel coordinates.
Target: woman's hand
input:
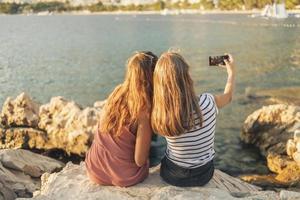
(229, 65)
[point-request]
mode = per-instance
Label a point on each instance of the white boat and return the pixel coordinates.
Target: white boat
(266, 11)
(44, 13)
(169, 12)
(275, 11)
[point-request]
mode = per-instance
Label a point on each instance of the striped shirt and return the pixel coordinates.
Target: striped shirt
(195, 147)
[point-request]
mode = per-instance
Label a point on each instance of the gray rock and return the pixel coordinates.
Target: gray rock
(6, 193)
(19, 170)
(289, 195)
(22, 185)
(30, 163)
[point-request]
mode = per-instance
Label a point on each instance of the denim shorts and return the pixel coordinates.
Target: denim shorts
(184, 177)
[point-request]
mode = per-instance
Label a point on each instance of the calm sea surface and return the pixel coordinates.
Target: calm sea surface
(83, 58)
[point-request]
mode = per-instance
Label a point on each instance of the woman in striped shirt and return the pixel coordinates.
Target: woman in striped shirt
(187, 121)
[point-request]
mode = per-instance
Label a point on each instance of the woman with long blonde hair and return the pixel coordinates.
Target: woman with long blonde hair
(187, 120)
(120, 150)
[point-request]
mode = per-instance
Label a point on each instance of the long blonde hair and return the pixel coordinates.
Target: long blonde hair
(132, 96)
(175, 106)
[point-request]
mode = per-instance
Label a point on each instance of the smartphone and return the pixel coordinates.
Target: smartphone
(217, 60)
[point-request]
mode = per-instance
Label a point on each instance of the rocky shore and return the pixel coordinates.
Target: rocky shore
(60, 124)
(29, 131)
(275, 130)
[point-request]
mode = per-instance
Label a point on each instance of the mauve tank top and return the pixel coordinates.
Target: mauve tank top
(110, 160)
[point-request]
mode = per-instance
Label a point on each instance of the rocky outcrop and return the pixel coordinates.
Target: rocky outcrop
(293, 147)
(60, 124)
(287, 170)
(270, 129)
(27, 138)
(22, 111)
(77, 186)
(20, 172)
(68, 127)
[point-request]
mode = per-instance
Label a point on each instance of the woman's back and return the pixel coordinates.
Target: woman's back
(195, 147)
(110, 160)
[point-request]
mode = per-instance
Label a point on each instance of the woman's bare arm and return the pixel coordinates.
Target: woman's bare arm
(225, 98)
(143, 140)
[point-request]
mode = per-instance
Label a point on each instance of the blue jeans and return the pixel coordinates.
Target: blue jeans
(184, 177)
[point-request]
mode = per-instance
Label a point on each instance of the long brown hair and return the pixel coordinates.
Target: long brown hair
(132, 96)
(175, 106)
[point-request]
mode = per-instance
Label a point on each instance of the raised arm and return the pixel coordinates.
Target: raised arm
(225, 98)
(143, 140)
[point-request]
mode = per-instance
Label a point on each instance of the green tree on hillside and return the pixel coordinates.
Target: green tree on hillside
(290, 4)
(250, 4)
(230, 4)
(10, 8)
(48, 6)
(207, 4)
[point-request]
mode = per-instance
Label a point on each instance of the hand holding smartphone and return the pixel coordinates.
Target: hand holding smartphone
(218, 60)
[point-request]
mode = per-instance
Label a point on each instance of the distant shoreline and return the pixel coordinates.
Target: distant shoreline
(172, 12)
(161, 11)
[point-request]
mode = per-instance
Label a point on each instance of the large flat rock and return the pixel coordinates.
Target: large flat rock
(72, 183)
(30, 163)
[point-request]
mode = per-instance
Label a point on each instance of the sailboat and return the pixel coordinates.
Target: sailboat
(275, 11)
